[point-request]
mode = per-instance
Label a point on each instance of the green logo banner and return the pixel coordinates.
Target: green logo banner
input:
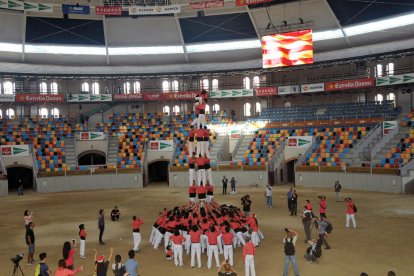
(397, 79)
(88, 98)
(233, 93)
(27, 6)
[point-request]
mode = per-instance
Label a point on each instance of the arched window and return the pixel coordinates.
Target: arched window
(166, 110)
(216, 107)
(390, 69)
(258, 108)
(95, 88)
(378, 70)
(214, 85)
(165, 86)
(1, 114)
(10, 113)
(43, 88)
(127, 88)
(174, 86)
(379, 98)
(205, 84)
(207, 109)
(8, 87)
(391, 97)
(176, 109)
(246, 83)
(55, 112)
(256, 81)
(137, 87)
(85, 87)
(247, 109)
(53, 88)
(43, 112)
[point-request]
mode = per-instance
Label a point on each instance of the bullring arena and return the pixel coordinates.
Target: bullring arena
(149, 105)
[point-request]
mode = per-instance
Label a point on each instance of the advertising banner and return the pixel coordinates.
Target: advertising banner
(397, 79)
(349, 84)
(15, 150)
(37, 98)
(161, 145)
(127, 97)
(288, 89)
(200, 5)
(235, 134)
(265, 91)
(233, 93)
(89, 98)
(299, 141)
(312, 87)
(108, 10)
(240, 3)
(181, 96)
(153, 96)
(91, 136)
(75, 9)
(4, 98)
(388, 126)
(154, 10)
(27, 6)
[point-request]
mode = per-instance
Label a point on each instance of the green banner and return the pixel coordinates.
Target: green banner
(26, 6)
(85, 98)
(397, 79)
(233, 93)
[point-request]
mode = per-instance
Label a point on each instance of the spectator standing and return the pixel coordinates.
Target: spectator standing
(68, 252)
(307, 223)
(30, 241)
(82, 240)
(289, 199)
(294, 203)
(289, 241)
(249, 251)
(131, 266)
(224, 182)
(322, 206)
(350, 212)
(233, 185)
(43, 267)
(268, 194)
(337, 189)
(246, 203)
(118, 268)
(115, 214)
(101, 225)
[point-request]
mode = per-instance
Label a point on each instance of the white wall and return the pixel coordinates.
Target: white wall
(15, 161)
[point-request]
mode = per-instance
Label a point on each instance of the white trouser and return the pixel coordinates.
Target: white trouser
(187, 244)
(240, 238)
(195, 122)
(201, 176)
(190, 148)
(195, 250)
(249, 265)
(178, 254)
(200, 148)
(167, 239)
(212, 250)
(219, 243)
(350, 217)
(255, 238)
(191, 174)
(209, 176)
(228, 253)
(209, 198)
(261, 236)
(203, 242)
(152, 237)
(201, 120)
(206, 148)
(82, 248)
(192, 199)
(137, 240)
(157, 239)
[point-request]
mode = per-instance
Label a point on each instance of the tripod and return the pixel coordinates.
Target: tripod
(16, 269)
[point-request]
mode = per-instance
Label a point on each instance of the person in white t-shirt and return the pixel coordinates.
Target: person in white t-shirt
(268, 194)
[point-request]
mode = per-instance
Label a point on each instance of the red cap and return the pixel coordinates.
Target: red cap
(100, 259)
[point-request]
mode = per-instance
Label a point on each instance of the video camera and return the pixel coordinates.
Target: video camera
(16, 259)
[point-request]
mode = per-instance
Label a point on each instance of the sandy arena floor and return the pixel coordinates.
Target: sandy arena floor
(383, 241)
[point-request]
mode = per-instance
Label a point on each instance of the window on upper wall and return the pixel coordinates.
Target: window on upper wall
(207, 109)
(246, 83)
(95, 88)
(127, 88)
(55, 112)
(8, 87)
(54, 88)
(85, 87)
(256, 81)
(10, 113)
(258, 108)
(43, 88)
(166, 110)
(379, 98)
(1, 114)
(378, 70)
(174, 86)
(215, 85)
(166, 87)
(176, 109)
(247, 109)
(390, 69)
(137, 87)
(216, 107)
(205, 84)
(43, 112)
(391, 97)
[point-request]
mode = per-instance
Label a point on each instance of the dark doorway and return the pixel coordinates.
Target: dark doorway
(20, 176)
(271, 178)
(158, 171)
(92, 158)
(291, 171)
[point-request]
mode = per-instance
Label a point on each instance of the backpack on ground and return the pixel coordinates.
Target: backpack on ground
(328, 227)
(289, 247)
(355, 208)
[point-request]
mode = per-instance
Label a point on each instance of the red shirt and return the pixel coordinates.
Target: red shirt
(200, 161)
(160, 220)
(171, 225)
(82, 233)
(227, 238)
(252, 224)
(69, 260)
(191, 133)
(206, 132)
(206, 160)
(192, 160)
(195, 236)
(199, 133)
(212, 237)
(248, 249)
(202, 106)
(192, 189)
(322, 206)
(136, 224)
(201, 190)
(350, 208)
(177, 240)
(309, 206)
(209, 188)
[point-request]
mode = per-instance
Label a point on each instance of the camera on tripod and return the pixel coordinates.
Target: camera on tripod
(16, 259)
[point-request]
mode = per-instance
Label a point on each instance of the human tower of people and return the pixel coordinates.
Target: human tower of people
(203, 225)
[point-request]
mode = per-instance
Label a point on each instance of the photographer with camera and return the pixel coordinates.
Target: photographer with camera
(323, 233)
(350, 212)
(307, 222)
(290, 241)
(246, 203)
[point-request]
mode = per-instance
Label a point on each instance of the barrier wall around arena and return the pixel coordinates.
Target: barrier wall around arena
(4, 187)
(89, 182)
(353, 181)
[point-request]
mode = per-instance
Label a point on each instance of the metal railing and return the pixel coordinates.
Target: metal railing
(275, 159)
(384, 140)
(365, 142)
(237, 146)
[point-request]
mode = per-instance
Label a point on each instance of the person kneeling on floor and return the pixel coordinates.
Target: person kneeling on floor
(314, 251)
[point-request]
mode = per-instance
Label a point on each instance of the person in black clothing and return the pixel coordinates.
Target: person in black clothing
(294, 203)
(101, 225)
(246, 203)
(224, 181)
(115, 214)
(101, 264)
(30, 241)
